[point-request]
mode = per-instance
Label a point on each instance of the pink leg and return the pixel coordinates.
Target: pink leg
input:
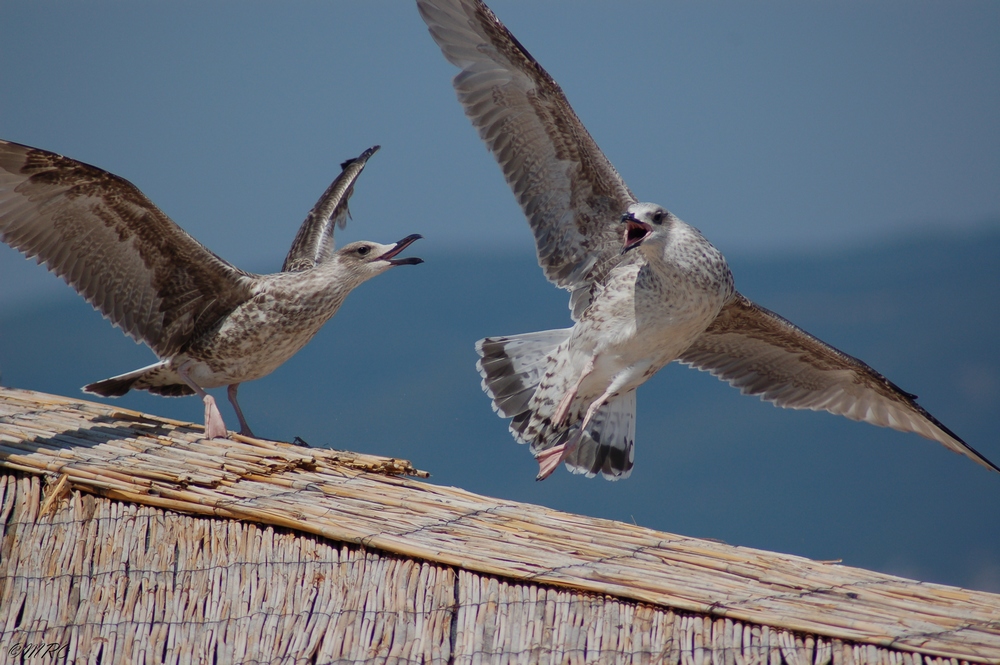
(594, 406)
(550, 459)
(244, 428)
(215, 428)
(563, 409)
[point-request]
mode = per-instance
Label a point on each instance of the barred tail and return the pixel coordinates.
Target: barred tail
(155, 378)
(512, 368)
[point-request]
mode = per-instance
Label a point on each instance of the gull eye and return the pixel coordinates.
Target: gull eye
(658, 217)
(363, 250)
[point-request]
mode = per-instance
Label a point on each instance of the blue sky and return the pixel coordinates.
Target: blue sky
(771, 126)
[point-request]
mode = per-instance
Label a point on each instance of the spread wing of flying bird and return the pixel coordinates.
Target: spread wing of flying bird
(210, 323)
(571, 194)
(763, 354)
(646, 288)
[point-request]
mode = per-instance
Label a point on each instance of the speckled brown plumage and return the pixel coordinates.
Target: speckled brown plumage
(210, 323)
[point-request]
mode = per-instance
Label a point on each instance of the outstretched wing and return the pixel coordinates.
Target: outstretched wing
(761, 353)
(119, 251)
(569, 191)
(313, 243)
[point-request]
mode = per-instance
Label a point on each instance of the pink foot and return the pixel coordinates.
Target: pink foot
(563, 409)
(549, 460)
(215, 428)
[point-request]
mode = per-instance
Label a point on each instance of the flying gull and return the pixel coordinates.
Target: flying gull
(646, 288)
(210, 323)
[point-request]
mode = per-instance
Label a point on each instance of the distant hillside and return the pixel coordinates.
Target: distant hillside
(393, 374)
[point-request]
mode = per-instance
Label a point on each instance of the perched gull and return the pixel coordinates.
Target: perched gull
(646, 288)
(210, 323)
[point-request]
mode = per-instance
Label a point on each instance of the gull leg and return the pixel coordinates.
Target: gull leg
(563, 409)
(550, 459)
(215, 428)
(244, 428)
(594, 406)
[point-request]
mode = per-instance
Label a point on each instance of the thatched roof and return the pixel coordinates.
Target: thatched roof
(129, 536)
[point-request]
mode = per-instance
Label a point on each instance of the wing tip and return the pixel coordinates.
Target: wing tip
(362, 158)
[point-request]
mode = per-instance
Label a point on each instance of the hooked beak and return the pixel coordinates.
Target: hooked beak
(399, 247)
(635, 232)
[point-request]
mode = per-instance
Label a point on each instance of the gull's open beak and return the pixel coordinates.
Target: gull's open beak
(399, 247)
(635, 232)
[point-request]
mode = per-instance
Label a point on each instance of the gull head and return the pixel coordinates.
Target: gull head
(368, 259)
(645, 223)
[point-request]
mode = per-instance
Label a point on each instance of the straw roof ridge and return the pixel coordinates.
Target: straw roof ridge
(930, 635)
(481, 570)
(696, 636)
(851, 591)
(628, 554)
(38, 522)
(437, 525)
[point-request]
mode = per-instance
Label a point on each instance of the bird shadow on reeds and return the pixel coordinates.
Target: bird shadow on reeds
(72, 436)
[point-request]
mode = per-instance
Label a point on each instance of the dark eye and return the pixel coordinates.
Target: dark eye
(658, 217)
(363, 250)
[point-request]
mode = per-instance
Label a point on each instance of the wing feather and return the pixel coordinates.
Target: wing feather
(313, 243)
(763, 354)
(571, 194)
(119, 251)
